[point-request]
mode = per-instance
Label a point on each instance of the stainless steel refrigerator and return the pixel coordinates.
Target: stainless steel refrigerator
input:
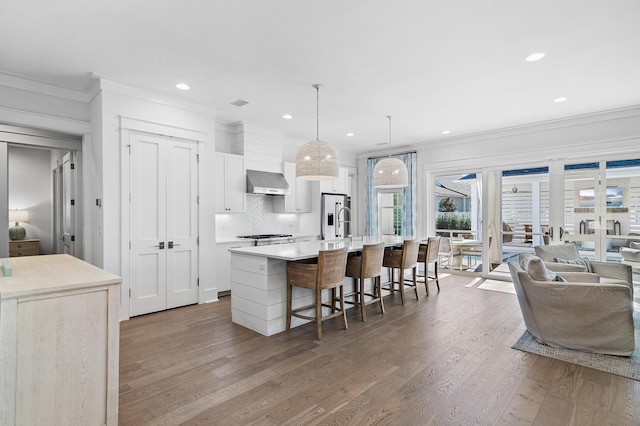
(335, 216)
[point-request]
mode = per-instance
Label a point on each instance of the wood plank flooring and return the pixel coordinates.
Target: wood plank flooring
(445, 359)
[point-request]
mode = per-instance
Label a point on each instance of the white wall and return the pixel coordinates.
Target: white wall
(111, 104)
(30, 188)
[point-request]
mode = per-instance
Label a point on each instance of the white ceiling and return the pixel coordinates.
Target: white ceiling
(433, 65)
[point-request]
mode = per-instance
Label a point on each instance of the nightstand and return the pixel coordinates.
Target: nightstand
(29, 247)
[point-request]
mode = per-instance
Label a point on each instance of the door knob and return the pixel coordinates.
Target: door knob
(160, 245)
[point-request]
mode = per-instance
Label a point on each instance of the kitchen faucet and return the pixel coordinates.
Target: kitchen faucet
(341, 221)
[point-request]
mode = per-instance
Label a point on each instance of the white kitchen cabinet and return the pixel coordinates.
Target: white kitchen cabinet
(222, 262)
(337, 186)
(230, 181)
(299, 199)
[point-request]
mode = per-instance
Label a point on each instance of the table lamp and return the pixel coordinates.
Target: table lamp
(17, 232)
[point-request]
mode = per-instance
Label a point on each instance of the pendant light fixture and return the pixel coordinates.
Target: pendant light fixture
(317, 160)
(390, 172)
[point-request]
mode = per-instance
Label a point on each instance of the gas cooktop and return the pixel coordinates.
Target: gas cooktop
(263, 236)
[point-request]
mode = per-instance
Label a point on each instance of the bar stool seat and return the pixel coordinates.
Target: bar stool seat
(328, 273)
(368, 265)
(404, 259)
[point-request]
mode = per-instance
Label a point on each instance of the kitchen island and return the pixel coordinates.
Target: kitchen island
(259, 282)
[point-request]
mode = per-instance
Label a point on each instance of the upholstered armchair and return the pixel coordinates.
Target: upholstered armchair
(579, 313)
(609, 272)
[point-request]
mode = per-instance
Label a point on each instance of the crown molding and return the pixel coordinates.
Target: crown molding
(34, 86)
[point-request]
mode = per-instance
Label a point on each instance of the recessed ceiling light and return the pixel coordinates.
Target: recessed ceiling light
(287, 116)
(182, 86)
(560, 99)
(535, 56)
(446, 132)
(350, 134)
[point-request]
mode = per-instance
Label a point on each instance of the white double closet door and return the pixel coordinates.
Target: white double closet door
(163, 213)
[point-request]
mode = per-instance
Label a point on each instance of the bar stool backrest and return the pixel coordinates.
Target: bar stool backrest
(372, 255)
(331, 267)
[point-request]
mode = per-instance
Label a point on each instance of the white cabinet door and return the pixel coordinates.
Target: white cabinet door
(230, 183)
(222, 262)
(336, 186)
(163, 223)
(236, 183)
(299, 199)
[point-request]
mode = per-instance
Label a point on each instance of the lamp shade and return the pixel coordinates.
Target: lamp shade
(317, 160)
(18, 215)
(390, 173)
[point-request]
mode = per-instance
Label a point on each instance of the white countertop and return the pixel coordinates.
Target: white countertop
(308, 249)
(44, 274)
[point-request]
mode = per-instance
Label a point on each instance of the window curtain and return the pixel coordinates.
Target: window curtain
(371, 212)
(409, 198)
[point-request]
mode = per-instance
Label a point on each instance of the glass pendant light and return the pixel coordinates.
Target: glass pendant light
(317, 160)
(390, 172)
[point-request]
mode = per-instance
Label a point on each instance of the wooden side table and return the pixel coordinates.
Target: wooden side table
(29, 247)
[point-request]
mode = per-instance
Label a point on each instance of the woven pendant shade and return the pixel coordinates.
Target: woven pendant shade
(390, 172)
(317, 160)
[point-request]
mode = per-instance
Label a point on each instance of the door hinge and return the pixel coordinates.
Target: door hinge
(197, 199)
(198, 241)
(129, 293)
(73, 166)
(129, 245)
(198, 158)
(73, 238)
(129, 148)
(198, 281)
(73, 202)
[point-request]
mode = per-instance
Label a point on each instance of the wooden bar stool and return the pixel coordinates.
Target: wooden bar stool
(404, 259)
(428, 254)
(328, 273)
(369, 265)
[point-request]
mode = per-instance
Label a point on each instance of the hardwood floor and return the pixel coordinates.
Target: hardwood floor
(445, 359)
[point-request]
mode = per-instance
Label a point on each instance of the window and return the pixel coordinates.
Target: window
(390, 211)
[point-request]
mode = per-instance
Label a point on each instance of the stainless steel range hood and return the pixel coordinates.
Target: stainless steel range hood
(259, 182)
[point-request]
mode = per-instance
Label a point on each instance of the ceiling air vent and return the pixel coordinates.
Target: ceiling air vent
(239, 103)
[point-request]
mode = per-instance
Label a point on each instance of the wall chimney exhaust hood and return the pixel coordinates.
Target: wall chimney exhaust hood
(259, 182)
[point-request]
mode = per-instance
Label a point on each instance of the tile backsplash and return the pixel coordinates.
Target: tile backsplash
(258, 219)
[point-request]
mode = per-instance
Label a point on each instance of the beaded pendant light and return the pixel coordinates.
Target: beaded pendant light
(317, 160)
(390, 172)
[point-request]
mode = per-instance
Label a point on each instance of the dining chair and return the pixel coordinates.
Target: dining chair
(445, 251)
(367, 265)
(406, 258)
(427, 254)
(328, 273)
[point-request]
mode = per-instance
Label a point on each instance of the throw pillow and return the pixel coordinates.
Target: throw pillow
(581, 262)
(538, 271)
(634, 245)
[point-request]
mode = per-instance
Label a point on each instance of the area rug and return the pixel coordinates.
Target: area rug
(618, 365)
(500, 286)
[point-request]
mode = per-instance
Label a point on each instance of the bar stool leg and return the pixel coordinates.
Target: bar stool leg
(289, 301)
(363, 306)
(319, 313)
(344, 313)
(378, 285)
